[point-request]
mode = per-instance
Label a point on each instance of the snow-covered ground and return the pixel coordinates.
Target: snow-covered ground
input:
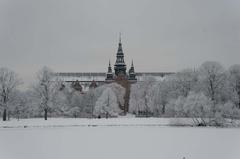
(120, 138)
(74, 122)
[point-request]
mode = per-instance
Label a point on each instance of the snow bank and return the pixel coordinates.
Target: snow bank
(128, 121)
(74, 122)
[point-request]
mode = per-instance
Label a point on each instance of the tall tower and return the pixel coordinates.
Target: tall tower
(120, 66)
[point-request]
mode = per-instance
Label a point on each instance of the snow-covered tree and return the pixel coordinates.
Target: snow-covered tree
(229, 111)
(143, 94)
(186, 81)
(198, 107)
(152, 97)
(19, 105)
(9, 82)
(141, 98)
(212, 79)
(175, 107)
(160, 97)
(46, 90)
(119, 92)
(234, 81)
(75, 104)
(88, 103)
(32, 101)
(107, 104)
(135, 104)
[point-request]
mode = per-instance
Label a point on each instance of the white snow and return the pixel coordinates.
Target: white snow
(74, 122)
(119, 138)
(83, 78)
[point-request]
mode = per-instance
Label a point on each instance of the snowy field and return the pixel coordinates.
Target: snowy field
(76, 122)
(122, 138)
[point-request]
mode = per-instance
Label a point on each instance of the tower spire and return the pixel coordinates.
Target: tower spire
(132, 74)
(109, 72)
(120, 38)
(120, 66)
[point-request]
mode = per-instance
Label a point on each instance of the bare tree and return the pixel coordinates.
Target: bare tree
(8, 84)
(46, 89)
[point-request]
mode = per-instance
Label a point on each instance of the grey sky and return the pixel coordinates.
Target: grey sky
(82, 35)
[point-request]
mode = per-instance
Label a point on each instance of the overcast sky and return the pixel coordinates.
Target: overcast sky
(82, 35)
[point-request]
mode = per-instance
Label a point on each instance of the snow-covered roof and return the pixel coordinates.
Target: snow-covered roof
(82, 76)
(100, 76)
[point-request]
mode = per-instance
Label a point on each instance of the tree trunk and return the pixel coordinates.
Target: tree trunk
(4, 114)
(45, 114)
(163, 109)
(238, 99)
(8, 115)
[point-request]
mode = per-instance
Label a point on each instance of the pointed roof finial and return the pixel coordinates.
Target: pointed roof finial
(109, 68)
(120, 40)
(132, 63)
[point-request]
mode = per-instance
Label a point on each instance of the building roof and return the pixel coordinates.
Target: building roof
(101, 76)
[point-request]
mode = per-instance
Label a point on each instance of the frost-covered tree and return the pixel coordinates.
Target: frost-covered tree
(101, 96)
(75, 104)
(46, 90)
(186, 81)
(234, 81)
(151, 97)
(32, 101)
(141, 98)
(175, 107)
(19, 105)
(107, 104)
(229, 111)
(9, 82)
(119, 92)
(212, 76)
(147, 90)
(88, 103)
(67, 100)
(198, 107)
(135, 102)
(161, 96)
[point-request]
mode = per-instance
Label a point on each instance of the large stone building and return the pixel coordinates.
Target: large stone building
(82, 81)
